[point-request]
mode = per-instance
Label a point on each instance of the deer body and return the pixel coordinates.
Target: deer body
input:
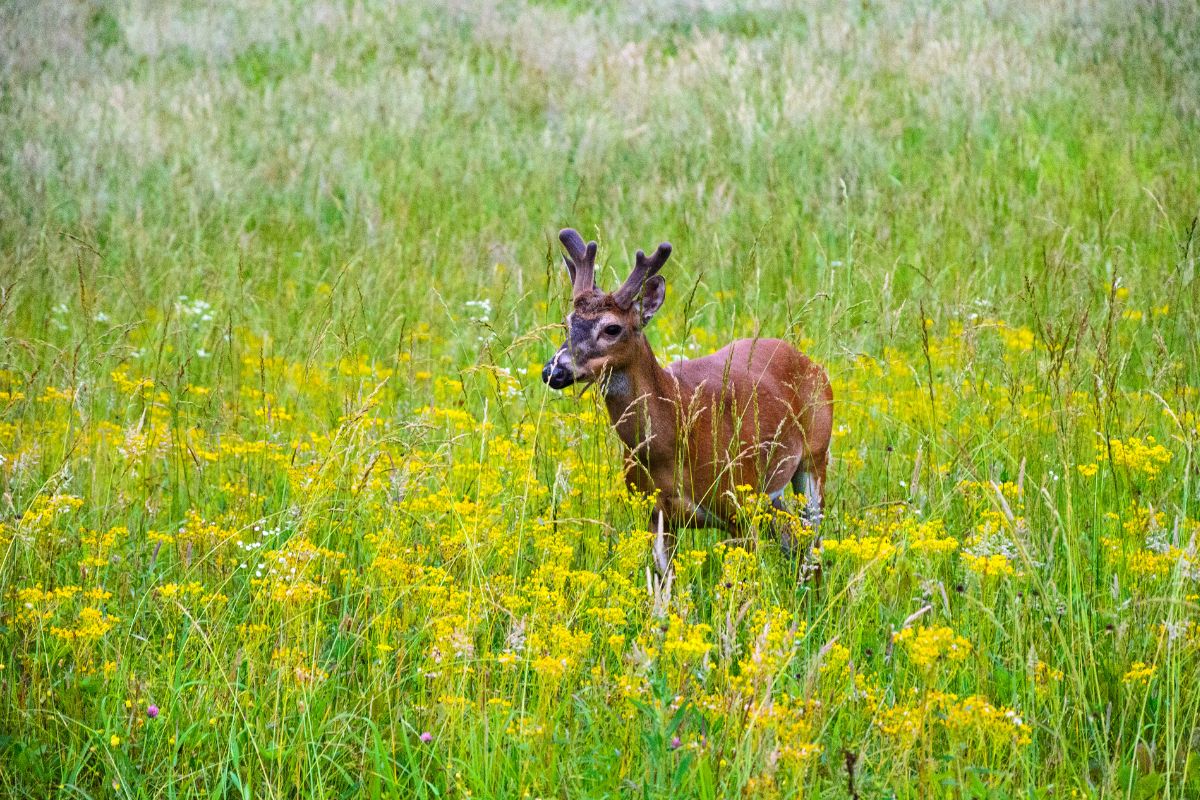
(757, 412)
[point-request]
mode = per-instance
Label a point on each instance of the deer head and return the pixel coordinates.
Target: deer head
(604, 330)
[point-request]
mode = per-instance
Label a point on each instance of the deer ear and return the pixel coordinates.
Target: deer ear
(654, 291)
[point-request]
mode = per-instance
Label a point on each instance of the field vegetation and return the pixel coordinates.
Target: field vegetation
(286, 511)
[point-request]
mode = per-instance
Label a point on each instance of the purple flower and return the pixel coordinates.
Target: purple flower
(152, 711)
(426, 737)
(675, 743)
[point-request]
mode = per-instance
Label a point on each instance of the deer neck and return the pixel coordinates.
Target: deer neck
(639, 397)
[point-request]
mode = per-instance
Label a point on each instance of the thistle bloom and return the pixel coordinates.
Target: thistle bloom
(152, 711)
(427, 737)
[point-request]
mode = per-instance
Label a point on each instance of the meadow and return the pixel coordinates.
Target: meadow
(286, 510)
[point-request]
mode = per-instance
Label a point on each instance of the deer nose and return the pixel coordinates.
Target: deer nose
(556, 376)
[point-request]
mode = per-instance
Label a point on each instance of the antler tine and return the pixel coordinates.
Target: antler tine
(643, 270)
(581, 261)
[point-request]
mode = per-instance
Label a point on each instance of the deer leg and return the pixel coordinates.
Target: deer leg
(664, 541)
(809, 481)
(783, 530)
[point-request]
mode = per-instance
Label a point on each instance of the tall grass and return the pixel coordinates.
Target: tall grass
(277, 280)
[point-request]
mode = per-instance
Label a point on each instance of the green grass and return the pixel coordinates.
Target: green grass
(980, 217)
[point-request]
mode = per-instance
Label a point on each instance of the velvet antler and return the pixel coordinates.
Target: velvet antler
(580, 261)
(643, 270)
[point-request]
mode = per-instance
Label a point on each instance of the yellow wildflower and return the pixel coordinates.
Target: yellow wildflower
(927, 647)
(1139, 674)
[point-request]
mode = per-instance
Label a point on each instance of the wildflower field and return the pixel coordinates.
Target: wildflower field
(286, 510)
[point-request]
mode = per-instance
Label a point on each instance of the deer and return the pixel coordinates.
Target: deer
(757, 412)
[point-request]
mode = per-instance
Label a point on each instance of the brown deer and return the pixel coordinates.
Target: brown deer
(755, 412)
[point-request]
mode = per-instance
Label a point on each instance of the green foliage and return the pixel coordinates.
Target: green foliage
(276, 283)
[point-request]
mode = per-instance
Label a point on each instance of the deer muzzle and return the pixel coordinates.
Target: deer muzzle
(559, 372)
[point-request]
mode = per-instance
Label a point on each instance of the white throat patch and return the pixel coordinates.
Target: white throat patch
(617, 385)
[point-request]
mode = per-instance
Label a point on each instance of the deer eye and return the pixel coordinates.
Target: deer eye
(612, 330)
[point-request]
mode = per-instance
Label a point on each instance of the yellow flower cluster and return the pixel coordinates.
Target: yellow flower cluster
(976, 716)
(929, 647)
(902, 721)
(98, 546)
(1144, 455)
(973, 721)
(141, 387)
(35, 604)
(888, 533)
(1159, 563)
(45, 510)
(868, 549)
(295, 574)
(989, 566)
(770, 653)
(559, 650)
(1139, 520)
(982, 494)
(90, 626)
(836, 663)
(685, 642)
(192, 593)
(788, 725)
(1044, 675)
(1141, 546)
(739, 573)
(930, 538)
(1020, 339)
(1139, 673)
